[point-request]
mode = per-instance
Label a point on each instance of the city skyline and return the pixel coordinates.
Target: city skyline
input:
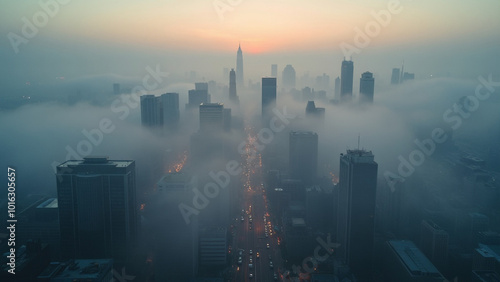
(231, 140)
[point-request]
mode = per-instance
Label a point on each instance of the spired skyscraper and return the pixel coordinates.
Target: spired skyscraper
(239, 67)
(356, 211)
(346, 80)
(97, 208)
(366, 88)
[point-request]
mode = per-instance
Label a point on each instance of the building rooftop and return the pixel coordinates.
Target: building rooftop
(96, 161)
(78, 269)
(491, 251)
(51, 203)
(298, 222)
(302, 132)
(358, 156)
(413, 259)
(486, 275)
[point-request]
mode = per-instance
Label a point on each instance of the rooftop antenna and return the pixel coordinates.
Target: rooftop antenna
(359, 137)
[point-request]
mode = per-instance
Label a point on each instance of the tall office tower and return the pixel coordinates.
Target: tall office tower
(170, 106)
(151, 111)
(171, 235)
(211, 117)
(288, 77)
(268, 95)
(213, 247)
(395, 76)
(356, 211)
(346, 80)
(303, 156)
(434, 243)
(97, 208)
(198, 96)
(232, 87)
(366, 88)
(239, 68)
(274, 70)
(336, 93)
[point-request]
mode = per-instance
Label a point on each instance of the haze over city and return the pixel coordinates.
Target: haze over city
(227, 140)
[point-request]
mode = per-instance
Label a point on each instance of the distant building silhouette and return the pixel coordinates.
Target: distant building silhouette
(366, 88)
(97, 208)
(303, 156)
(151, 111)
(170, 108)
(289, 77)
(317, 114)
(346, 80)
(239, 68)
(408, 76)
(336, 94)
(274, 70)
(232, 87)
(268, 95)
(198, 95)
(395, 76)
(356, 211)
(323, 82)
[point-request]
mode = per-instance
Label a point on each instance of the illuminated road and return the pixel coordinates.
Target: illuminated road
(251, 231)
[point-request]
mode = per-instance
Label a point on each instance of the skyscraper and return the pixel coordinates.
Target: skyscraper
(232, 87)
(289, 77)
(268, 95)
(239, 67)
(97, 208)
(434, 243)
(346, 80)
(151, 111)
(198, 95)
(170, 107)
(336, 93)
(303, 156)
(174, 243)
(211, 117)
(356, 211)
(274, 70)
(366, 88)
